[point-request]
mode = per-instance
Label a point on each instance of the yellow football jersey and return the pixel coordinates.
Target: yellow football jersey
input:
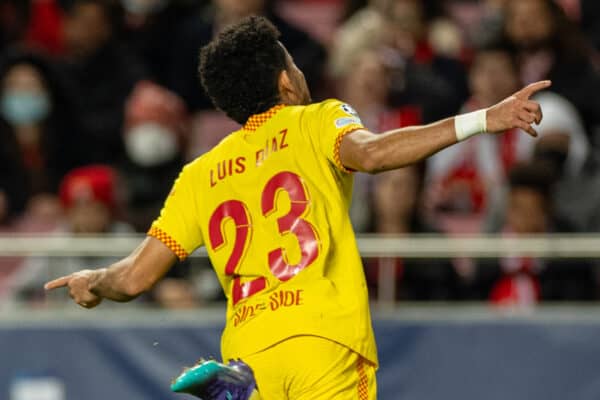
(270, 203)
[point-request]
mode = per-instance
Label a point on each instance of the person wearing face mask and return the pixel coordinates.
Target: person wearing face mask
(24, 107)
(37, 130)
(153, 135)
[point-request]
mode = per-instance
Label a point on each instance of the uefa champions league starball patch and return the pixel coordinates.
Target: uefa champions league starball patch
(352, 119)
(349, 110)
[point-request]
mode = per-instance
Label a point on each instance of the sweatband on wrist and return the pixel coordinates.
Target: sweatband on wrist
(467, 125)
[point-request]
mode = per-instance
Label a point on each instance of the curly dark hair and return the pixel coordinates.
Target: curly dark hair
(240, 68)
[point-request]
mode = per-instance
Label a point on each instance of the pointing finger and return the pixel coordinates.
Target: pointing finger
(58, 283)
(530, 90)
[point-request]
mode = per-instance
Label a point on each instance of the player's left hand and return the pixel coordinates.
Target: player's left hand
(78, 284)
(517, 111)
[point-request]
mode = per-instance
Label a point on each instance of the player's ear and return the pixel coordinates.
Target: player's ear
(287, 90)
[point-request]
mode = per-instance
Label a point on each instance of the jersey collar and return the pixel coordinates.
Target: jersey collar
(255, 121)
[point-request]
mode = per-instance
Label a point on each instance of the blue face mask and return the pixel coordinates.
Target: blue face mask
(20, 107)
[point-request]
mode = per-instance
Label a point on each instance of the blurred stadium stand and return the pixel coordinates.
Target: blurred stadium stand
(456, 353)
(433, 351)
(61, 248)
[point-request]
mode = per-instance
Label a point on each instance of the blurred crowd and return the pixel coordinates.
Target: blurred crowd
(100, 107)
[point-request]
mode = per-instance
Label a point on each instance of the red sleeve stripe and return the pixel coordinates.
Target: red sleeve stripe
(338, 143)
(168, 241)
(363, 380)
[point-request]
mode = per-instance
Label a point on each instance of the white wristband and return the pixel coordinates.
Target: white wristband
(470, 124)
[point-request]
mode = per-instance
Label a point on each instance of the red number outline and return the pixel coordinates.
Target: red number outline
(238, 213)
(291, 223)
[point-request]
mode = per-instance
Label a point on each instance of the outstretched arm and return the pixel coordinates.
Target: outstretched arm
(122, 281)
(365, 151)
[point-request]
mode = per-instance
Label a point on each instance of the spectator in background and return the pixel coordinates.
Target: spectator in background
(396, 197)
(366, 87)
(208, 126)
(91, 201)
(175, 294)
(589, 15)
(563, 145)
(464, 181)
(385, 67)
(562, 137)
(14, 190)
(308, 54)
(103, 74)
(490, 25)
(525, 280)
(154, 135)
(44, 28)
(150, 28)
(14, 15)
(433, 82)
(90, 196)
(38, 125)
(549, 46)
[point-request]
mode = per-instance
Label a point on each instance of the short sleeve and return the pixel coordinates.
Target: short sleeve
(178, 225)
(332, 121)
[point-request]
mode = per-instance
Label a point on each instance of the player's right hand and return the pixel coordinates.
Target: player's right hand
(517, 111)
(78, 284)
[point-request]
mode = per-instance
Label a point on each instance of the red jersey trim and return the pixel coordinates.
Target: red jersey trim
(255, 121)
(338, 143)
(363, 380)
(168, 241)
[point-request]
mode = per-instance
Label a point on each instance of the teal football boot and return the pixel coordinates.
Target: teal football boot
(212, 380)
